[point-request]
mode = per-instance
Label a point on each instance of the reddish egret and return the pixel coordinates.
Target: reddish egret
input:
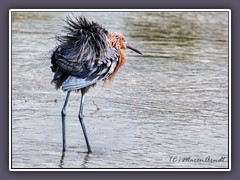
(86, 54)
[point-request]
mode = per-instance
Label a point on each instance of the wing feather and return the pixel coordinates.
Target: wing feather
(100, 69)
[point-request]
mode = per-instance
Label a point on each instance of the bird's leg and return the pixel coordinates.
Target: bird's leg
(63, 121)
(80, 116)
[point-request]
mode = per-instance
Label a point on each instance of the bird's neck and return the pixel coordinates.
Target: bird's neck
(121, 61)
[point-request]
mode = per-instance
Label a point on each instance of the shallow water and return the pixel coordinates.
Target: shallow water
(167, 105)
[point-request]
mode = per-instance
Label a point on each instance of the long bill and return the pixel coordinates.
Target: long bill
(132, 48)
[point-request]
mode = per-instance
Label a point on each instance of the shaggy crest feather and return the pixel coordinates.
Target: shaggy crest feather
(80, 31)
(84, 41)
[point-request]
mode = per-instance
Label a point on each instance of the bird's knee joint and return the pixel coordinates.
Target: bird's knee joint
(63, 112)
(80, 116)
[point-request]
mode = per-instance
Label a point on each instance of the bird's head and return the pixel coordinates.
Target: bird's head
(118, 41)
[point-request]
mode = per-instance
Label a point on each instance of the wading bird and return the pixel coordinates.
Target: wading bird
(86, 54)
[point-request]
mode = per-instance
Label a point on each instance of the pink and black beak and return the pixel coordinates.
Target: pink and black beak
(132, 48)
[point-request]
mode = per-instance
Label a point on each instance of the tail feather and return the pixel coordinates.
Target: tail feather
(59, 81)
(59, 76)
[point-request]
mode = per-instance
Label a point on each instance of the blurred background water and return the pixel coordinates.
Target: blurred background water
(172, 102)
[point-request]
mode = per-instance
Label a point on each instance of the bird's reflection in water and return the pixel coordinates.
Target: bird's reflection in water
(83, 165)
(62, 159)
(85, 160)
